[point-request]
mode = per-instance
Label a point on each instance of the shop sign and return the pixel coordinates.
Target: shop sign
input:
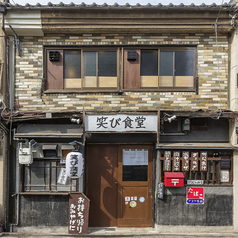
(74, 164)
(121, 123)
(225, 175)
(78, 213)
(195, 195)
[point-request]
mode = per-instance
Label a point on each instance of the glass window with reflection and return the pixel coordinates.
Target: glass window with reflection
(90, 69)
(135, 164)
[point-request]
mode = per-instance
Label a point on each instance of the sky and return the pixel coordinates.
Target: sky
(121, 2)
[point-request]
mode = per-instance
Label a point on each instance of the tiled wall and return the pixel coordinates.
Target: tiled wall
(212, 66)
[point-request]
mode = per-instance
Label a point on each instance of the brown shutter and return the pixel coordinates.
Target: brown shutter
(54, 72)
(132, 72)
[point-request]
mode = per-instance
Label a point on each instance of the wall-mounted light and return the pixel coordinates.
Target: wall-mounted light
(170, 119)
(74, 120)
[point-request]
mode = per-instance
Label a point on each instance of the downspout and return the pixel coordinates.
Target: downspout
(17, 189)
(4, 129)
(10, 78)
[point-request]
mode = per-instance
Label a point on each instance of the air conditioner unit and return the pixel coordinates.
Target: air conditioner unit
(25, 153)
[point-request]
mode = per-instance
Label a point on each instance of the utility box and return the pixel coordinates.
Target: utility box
(25, 154)
(173, 179)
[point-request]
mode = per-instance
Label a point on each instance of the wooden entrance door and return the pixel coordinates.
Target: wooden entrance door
(135, 187)
(119, 185)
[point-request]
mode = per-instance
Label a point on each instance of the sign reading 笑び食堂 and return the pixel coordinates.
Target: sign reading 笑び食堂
(121, 122)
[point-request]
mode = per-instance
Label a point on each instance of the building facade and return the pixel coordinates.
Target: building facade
(143, 93)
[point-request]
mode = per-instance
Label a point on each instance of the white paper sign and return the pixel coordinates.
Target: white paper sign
(135, 157)
(62, 176)
(74, 164)
(121, 122)
(224, 176)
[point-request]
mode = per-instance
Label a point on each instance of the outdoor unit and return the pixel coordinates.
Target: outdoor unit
(25, 153)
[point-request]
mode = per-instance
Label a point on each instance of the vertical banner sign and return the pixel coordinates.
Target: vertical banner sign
(203, 161)
(78, 213)
(62, 176)
(185, 161)
(74, 164)
(194, 161)
(160, 190)
(176, 161)
(167, 160)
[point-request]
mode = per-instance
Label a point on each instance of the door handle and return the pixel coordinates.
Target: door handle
(116, 182)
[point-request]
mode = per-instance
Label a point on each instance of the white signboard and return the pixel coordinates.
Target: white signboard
(62, 177)
(121, 122)
(135, 157)
(74, 164)
(225, 176)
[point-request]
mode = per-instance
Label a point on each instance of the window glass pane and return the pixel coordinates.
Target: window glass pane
(53, 176)
(135, 164)
(184, 63)
(166, 63)
(107, 63)
(149, 63)
(37, 178)
(72, 64)
(89, 63)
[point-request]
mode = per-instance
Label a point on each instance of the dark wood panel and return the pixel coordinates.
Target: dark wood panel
(132, 72)
(54, 74)
(102, 185)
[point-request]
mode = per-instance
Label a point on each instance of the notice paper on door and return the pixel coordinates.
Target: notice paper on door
(135, 157)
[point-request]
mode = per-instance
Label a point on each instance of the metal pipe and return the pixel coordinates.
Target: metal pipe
(17, 192)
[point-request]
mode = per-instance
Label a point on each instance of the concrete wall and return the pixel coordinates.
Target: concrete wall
(44, 210)
(217, 209)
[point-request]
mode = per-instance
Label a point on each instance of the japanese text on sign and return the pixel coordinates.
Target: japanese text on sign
(185, 161)
(167, 160)
(195, 195)
(74, 164)
(176, 161)
(121, 122)
(203, 161)
(78, 214)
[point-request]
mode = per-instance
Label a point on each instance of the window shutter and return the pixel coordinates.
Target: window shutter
(54, 71)
(131, 71)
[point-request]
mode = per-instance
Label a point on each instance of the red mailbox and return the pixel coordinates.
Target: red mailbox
(173, 179)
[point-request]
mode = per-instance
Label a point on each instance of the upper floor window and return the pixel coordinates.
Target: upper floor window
(163, 69)
(81, 69)
(157, 69)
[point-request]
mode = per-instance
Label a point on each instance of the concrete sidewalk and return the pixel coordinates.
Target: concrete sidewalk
(159, 232)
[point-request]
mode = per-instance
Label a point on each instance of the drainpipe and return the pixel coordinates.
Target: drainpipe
(17, 188)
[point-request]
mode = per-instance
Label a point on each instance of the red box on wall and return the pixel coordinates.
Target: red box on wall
(173, 179)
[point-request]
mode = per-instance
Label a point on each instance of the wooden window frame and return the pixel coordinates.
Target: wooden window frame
(211, 177)
(62, 88)
(159, 88)
(24, 186)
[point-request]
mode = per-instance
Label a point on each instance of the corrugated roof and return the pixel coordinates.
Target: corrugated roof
(116, 5)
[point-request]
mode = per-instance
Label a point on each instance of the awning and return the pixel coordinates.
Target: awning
(209, 146)
(49, 130)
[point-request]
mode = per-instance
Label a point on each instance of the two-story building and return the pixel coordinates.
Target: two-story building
(145, 91)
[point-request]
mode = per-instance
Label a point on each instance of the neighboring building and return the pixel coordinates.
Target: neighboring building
(145, 89)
